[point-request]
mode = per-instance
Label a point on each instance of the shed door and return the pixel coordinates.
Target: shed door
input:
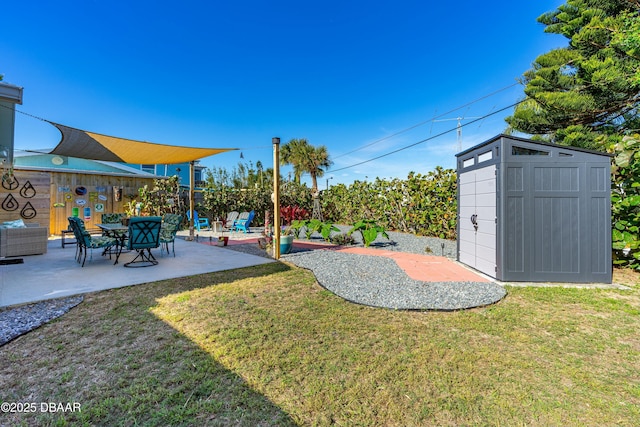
(477, 219)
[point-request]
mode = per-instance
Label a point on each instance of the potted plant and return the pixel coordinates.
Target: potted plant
(223, 240)
(286, 240)
(129, 210)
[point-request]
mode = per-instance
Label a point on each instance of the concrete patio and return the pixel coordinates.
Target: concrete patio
(57, 274)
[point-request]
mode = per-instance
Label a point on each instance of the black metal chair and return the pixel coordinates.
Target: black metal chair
(144, 235)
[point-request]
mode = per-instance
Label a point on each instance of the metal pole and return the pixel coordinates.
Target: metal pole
(191, 198)
(276, 197)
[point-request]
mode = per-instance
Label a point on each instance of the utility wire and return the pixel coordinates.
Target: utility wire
(427, 121)
(442, 133)
(426, 139)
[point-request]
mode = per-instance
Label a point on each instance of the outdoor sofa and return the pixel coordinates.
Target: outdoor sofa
(18, 241)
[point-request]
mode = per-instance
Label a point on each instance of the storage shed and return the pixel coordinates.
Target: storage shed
(535, 212)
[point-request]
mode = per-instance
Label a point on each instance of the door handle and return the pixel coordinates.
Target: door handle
(474, 221)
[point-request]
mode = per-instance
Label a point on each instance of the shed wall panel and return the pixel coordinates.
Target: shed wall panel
(600, 237)
(599, 179)
(556, 179)
(557, 235)
(514, 179)
(514, 238)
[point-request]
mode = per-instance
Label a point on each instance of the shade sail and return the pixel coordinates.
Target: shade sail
(94, 146)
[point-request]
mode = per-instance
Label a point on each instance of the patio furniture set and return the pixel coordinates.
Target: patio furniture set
(140, 234)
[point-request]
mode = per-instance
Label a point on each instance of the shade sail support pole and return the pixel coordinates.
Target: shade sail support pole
(276, 197)
(191, 197)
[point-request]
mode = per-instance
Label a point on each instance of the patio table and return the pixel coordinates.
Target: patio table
(118, 232)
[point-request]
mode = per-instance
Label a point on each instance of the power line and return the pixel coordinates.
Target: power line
(426, 121)
(426, 139)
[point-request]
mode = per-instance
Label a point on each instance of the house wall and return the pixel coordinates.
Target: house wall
(99, 197)
(49, 198)
(25, 195)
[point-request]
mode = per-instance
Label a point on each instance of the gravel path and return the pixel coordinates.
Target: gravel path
(368, 280)
(20, 320)
(379, 282)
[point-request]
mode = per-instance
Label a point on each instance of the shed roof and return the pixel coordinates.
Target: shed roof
(531, 141)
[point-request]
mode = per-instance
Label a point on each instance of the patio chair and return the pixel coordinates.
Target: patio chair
(197, 221)
(144, 235)
(168, 230)
(231, 218)
(112, 218)
(76, 234)
(242, 216)
(86, 241)
(243, 224)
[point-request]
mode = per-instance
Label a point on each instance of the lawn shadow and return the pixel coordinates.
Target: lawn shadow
(125, 365)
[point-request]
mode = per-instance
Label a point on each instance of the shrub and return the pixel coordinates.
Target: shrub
(342, 239)
(369, 231)
(425, 205)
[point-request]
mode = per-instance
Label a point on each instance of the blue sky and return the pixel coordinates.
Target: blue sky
(351, 75)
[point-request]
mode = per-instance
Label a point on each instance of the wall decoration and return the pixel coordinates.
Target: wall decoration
(68, 196)
(87, 214)
(28, 195)
(63, 189)
(9, 182)
(75, 211)
(93, 196)
(81, 191)
(10, 203)
(101, 189)
(81, 202)
(102, 197)
(57, 160)
(59, 205)
(117, 193)
(28, 211)
(27, 191)
(99, 207)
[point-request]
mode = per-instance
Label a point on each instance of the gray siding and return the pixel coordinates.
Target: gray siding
(553, 212)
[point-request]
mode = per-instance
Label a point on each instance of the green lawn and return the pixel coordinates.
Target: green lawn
(267, 346)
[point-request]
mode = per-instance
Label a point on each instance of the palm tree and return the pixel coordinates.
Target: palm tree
(318, 163)
(305, 158)
(293, 153)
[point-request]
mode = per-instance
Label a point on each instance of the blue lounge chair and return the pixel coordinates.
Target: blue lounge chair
(197, 221)
(244, 223)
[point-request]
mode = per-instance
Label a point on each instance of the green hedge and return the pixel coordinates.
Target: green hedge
(217, 202)
(424, 205)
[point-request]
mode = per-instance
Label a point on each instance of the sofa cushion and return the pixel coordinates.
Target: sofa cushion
(18, 223)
